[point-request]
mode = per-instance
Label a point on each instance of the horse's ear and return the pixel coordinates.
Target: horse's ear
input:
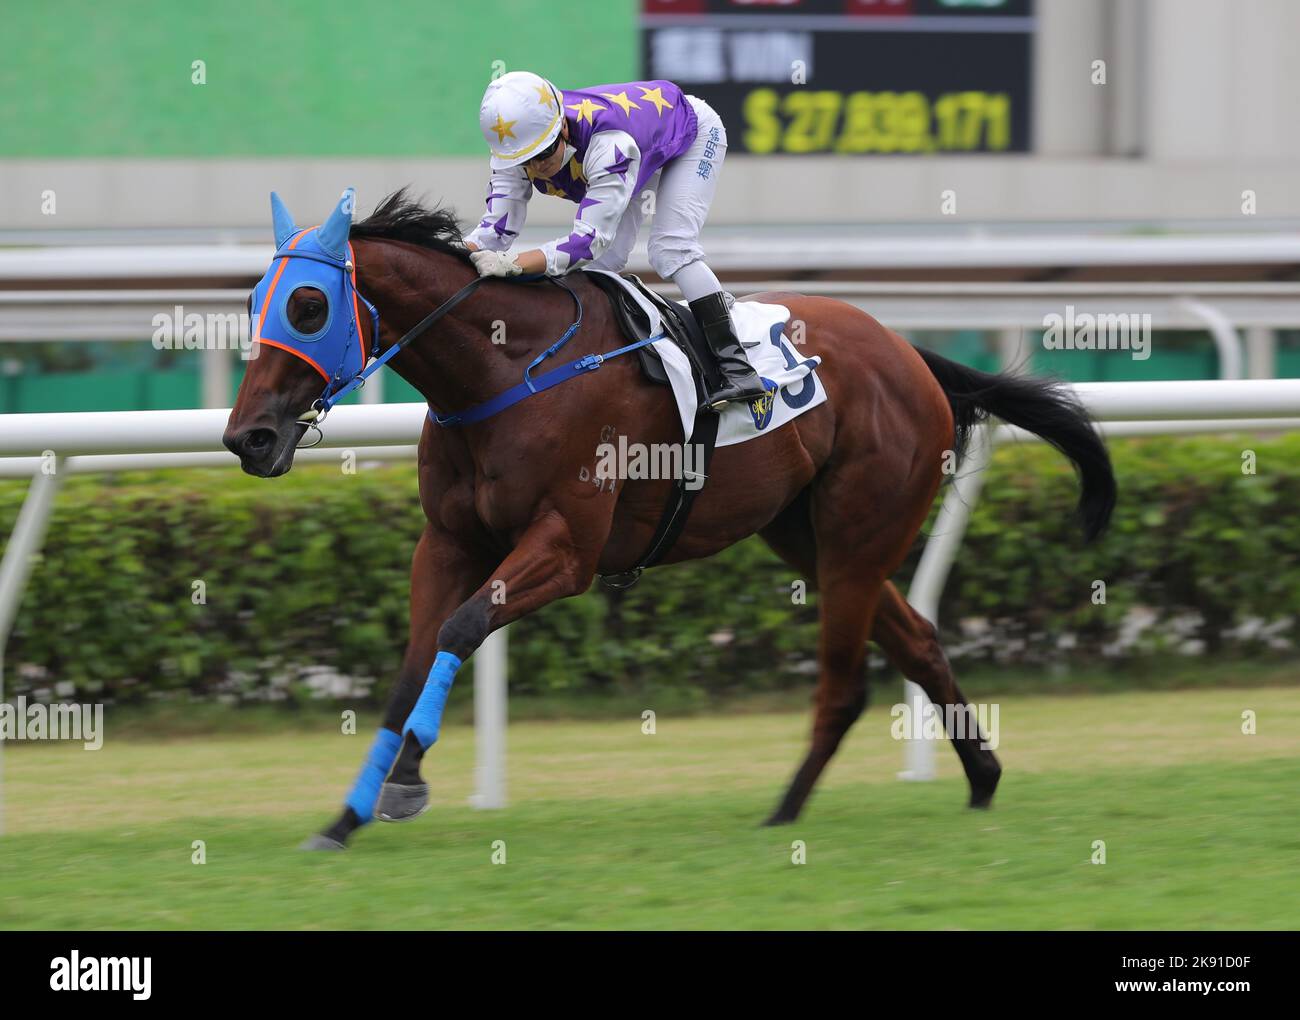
(333, 235)
(281, 220)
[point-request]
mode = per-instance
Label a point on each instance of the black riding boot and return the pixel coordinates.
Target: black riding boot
(739, 380)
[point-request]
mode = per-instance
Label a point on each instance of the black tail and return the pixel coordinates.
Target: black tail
(1044, 407)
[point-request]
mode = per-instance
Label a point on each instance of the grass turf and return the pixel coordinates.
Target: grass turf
(611, 828)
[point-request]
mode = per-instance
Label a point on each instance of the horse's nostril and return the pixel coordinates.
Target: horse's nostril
(259, 441)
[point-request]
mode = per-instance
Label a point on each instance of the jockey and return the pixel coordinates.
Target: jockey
(603, 147)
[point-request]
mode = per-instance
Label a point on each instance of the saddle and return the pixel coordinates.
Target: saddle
(677, 322)
(680, 327)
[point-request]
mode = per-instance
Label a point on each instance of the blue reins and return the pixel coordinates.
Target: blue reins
(530, 386)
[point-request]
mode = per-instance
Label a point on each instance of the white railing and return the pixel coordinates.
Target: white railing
(1121, 409)
(127, 315)
(1015, 310)
(50, 446)
(774, 250)
(98, 297)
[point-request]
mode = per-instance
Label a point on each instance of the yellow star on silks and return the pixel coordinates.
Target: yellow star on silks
(585, 109)
(656, 96)
(544, 96)
(621, 101)
(502, 128)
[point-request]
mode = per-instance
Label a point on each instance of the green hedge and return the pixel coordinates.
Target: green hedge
(308, 574)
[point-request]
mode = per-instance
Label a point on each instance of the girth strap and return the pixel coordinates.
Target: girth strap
(680, 501)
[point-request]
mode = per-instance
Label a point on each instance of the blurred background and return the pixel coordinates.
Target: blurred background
(922, 140)
(962, 169)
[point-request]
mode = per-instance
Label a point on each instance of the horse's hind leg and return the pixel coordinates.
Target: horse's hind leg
(912, 645)
(861, 516)
(848, 601)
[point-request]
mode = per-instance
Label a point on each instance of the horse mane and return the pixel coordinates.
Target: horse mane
(399, 217)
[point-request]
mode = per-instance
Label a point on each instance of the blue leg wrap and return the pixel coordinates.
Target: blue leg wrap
(365, 791)
(426, 716)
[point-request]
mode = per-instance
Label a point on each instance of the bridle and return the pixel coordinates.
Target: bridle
(313, 417)
(337, 386)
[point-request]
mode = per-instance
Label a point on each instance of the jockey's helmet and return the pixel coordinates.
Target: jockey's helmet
(520, 116)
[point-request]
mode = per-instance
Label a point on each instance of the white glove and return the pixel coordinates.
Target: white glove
(494, 263)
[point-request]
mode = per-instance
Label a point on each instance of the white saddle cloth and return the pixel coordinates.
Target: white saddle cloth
(791, 379)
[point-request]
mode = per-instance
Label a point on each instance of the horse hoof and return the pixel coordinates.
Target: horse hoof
(399, 803)
(320, 842)
(981, 795)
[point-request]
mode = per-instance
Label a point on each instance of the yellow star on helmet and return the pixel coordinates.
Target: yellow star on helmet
(544, 96)
(502, 128)
(622, 102)
(585, 109)
(656, 96)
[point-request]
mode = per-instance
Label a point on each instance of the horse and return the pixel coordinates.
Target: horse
(513, 521)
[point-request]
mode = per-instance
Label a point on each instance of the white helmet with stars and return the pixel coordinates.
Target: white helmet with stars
(520, 116)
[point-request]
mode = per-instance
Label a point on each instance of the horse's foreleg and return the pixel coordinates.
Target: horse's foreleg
(442, 574)
(546, 565)
(912, 645)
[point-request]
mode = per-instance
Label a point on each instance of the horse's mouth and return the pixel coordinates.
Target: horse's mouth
(283, 461)
(266, 452)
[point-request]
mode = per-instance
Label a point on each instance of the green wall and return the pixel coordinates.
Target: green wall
(284, 77)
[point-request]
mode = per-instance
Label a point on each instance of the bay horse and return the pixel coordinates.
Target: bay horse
(840, 493)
